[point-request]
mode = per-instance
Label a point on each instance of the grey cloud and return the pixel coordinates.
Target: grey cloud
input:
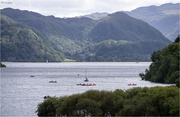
(70, 8)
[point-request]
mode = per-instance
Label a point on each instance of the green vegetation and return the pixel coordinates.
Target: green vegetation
(165, 66)
(20, 43)
(2, 65)
(69, 60)
(111, 50)
(155, 101)
(29, 36)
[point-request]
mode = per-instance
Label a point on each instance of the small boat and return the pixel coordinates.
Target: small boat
(31, 76)
(46, 97)
(132, 84)
(86, 79)
(88, 85)
(52, 81)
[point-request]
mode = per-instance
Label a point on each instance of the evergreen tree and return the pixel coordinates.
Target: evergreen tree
(165, 66)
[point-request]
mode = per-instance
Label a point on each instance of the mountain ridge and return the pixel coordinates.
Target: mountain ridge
(165, 18)
(73, 37)
(19, 42)
(165, 15)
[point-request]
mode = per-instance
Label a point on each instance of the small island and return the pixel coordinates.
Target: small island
(2, 65)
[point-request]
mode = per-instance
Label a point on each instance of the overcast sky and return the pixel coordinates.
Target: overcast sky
(72, 8)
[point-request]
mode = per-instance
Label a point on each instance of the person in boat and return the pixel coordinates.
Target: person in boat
(52, 81)
(45, 97)
(79, 84)
(86, 80)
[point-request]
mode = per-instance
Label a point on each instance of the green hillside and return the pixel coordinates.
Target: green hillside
(165, 66)
(19, 42)
(83, 39)
(119, 26)
(122, 50)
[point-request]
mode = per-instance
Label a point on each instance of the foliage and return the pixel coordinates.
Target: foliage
(48, 107)
(2, 65)
(119, 26)
(116, 37)
(155, 101)
(23, 44)
(122, 50)
(165, 66)
(69, 60)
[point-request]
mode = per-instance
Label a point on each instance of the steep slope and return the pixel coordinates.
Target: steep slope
(119, 26)
(165, 18)
(83, 38)
(120, 37)
(20, 43)
(72, 28)
(68, 35)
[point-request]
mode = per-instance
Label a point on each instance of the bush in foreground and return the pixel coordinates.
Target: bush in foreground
(155, 101)
(2, 65)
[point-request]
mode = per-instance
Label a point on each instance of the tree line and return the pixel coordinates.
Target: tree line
(165, 65)
(154, 101)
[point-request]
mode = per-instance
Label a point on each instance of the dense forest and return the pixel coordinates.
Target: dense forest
(154, 101)
(21, 43)
(165, 65)
(29, 36)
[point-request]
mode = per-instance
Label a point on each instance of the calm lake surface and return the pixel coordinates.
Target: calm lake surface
(21, 93)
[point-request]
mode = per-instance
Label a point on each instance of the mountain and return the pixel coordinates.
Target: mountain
(19, 42)
(122, 38)
(165, 18)
(116, 37)
(97, 16)
(120, 26)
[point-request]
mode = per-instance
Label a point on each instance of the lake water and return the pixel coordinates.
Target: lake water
(21, 93)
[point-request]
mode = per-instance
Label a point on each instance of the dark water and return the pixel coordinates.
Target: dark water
(21, 93)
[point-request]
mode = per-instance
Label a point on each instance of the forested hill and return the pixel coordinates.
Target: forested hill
(20, 42)
(165, 66)
(117, 37)
(165, 17)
